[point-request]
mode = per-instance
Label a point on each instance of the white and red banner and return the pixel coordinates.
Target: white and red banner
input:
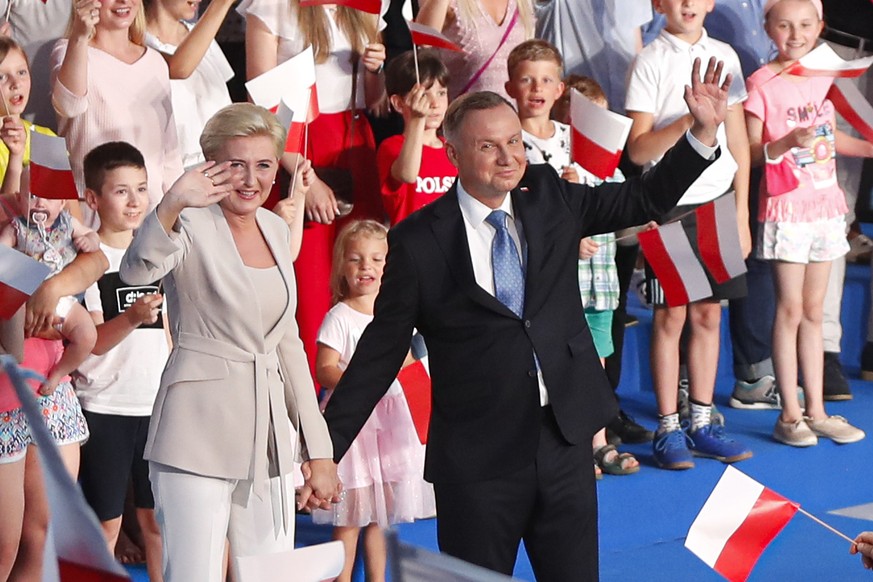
(671, 257)
(294, 83)
(737, 523)
(50, 173)
(309, 564)
(822, 61)
(415, 381)
(75, 547)
(718, 239)
(853, 106)
(20, 276)
(423, 35)
(597, 137)
(369, 6)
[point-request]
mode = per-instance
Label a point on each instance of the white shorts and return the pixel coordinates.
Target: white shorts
(803, 242)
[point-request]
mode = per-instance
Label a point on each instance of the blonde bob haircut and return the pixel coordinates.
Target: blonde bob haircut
(136, 32)
(339, 287)
(241, 120)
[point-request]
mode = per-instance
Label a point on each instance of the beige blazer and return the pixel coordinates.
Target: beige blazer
(225, 380)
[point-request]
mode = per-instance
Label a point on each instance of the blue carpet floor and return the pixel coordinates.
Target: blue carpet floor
(644, 517)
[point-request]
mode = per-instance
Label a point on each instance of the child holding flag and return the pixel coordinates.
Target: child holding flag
(413, 167)
(535, 68)
(660, 116)
(382, 470)
(792, 132)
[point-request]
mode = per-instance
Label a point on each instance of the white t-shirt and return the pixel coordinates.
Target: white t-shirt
(341, 329)
(196, 98)
(333, 78)
(657, 86)
(124, 381)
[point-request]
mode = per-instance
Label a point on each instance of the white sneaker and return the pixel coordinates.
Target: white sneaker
(796, 434)
(836, 428)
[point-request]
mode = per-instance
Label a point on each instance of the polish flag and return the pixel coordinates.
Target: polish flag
(423, 35)
(368, 6)
(598, 136)
(319, 562)
(415, 381)
(851, 104)
(50, 173)
(75, 549)
(737, 523)
(671, 257)
(718, 238)
(294, 82)
(822, 61)
(20, 276)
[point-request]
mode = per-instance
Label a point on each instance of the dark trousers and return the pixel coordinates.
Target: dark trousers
(550, 504)
(751, 317)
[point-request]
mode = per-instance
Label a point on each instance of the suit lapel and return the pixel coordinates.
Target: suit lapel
(451, 236)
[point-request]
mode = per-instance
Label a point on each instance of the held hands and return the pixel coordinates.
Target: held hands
(373, 58)
(707, 100)
(321, 486)
(13, 135)
(86, 15)
(145, 310)
(864, 545)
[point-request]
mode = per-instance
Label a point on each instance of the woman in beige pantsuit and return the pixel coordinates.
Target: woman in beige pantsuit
(236, 392)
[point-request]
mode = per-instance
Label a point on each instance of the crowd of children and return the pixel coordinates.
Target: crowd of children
(130, 130)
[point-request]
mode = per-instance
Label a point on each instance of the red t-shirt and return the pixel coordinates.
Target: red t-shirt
(434, 179)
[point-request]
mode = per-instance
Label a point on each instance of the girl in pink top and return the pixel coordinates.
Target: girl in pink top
(792, 131)
(487, 30)
(107, 86)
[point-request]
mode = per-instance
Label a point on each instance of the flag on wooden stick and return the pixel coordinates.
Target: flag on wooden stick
(671, 257)
(718, 238)
(597, 137)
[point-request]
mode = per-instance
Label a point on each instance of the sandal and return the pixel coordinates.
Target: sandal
(616, 465)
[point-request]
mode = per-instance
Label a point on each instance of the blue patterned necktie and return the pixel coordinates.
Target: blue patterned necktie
(508, 275)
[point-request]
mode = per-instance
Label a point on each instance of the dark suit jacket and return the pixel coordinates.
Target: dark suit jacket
(485, 420)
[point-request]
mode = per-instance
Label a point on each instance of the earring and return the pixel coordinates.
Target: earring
(274, 181)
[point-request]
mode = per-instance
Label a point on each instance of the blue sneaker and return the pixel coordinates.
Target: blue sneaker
(671, 450)
(710, 441)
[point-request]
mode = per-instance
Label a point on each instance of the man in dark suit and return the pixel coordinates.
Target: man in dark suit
(518, 390)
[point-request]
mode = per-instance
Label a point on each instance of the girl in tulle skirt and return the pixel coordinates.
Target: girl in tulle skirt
(382, 470)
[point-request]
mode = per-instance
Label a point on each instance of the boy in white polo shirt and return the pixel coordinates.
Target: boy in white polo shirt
(118, 383)
(656, 105)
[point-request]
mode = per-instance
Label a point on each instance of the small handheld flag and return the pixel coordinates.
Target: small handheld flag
(368, 6)
(719, 240)
(671, 257)
(423, 35)
(598, 136)
(20, 276)
(822, 61)
(50, 173)
(737, 523)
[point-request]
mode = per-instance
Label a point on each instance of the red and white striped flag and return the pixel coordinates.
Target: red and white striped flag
(75, 549)
(423, 35)
(368, 6)
(737, 523)
(671, 257)
(851, 104)
(50, 173)
(822, 61)
(718, 238)
(415, 381)
(20, 276)
(294, 82)
(597, 137)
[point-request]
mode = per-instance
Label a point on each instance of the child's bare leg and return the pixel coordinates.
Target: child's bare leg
(79, 330)
(151, 534)
(28, 564)
(810, 345)
(666, 331)
(789, 279)
(703, 346)
(375, 553)
(111, 528)
(12, 510)
(349, 537)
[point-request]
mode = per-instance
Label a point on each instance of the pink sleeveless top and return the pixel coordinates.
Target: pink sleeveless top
(479, 38)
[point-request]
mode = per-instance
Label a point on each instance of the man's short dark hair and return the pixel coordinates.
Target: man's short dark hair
(107, 157)
(460, 107)
(400, 72)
